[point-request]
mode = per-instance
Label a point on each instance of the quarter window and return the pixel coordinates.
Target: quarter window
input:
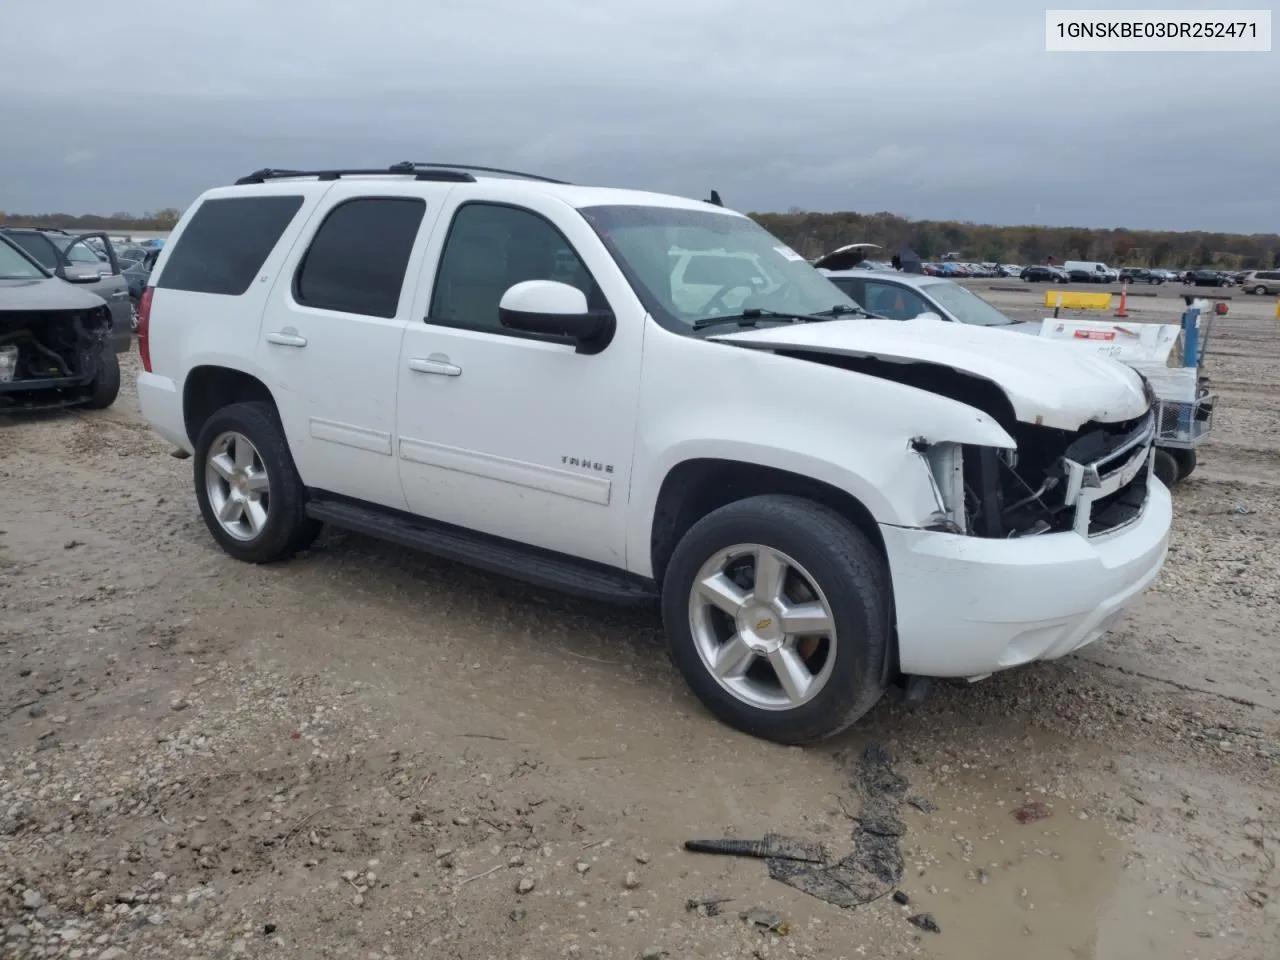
(492, 247)
(358, 258)
(226, 242)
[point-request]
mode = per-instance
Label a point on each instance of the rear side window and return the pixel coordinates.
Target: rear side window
(358, 259)
(226, 243)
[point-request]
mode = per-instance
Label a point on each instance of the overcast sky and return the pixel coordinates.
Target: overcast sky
(926, 108)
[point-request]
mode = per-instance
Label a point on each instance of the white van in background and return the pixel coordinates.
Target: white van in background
(1097, 271)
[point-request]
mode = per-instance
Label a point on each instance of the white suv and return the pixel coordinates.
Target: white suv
(497, 369)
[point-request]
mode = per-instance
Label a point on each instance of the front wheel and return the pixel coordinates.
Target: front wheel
(106, 385)
(776, 610)
(1260, 290)
(249, 491)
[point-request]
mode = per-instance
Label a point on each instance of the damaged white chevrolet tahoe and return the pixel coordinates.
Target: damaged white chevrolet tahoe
(636, 397)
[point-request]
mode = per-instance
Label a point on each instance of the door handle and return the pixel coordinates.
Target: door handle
(437, 363)
(287, 338)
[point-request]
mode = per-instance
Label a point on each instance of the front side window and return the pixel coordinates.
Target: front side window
(893, 302)
(80, 252)
(492, 247)
(686, 265)
(358, 258)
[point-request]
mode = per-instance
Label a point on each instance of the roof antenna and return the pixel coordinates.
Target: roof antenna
(715, 198)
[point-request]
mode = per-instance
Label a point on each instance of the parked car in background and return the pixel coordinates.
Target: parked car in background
(1089, 271)
(1208, 278)
(1042, 273)
(1141, 275)
(56, 346)
(905, 296)
(1261, 282)
(57, 251)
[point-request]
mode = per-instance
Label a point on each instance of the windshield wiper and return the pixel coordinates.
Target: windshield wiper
(748, 317)
(841, 309)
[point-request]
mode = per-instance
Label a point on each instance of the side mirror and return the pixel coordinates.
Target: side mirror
(80, 274)
(555, 309)
(928, 315)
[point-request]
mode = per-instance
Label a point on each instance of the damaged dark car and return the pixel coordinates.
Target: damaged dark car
(56, 339)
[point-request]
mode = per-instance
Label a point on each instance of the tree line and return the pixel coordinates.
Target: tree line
(812, 234)
(164, 219)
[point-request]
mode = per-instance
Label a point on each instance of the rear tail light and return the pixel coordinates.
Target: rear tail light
(144, 328)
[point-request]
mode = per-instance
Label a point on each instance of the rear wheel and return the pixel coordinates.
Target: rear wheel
(248, 488)
(106, 385)
(777, 614)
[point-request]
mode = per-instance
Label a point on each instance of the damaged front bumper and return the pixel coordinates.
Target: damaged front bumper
(1003, 581)
(968, 606)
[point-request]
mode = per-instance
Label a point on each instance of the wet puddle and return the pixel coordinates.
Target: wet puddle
(1057, 888)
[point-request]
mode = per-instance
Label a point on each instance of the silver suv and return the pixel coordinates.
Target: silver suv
(1261, 282)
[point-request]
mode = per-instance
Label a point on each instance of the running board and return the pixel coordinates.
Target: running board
(504, 557)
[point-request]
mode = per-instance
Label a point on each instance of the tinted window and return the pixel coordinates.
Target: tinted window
(225, 244)
(358, 259)
(38, 246)
(894, 302)
(490, 249)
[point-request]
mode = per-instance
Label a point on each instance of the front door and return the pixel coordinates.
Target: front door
(505, 433)
(330, 336)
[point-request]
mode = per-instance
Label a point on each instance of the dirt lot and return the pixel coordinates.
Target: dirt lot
(367, 754)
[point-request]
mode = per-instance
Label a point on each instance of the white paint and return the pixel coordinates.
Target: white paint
(1046, 382)
(544, 296)
(532, 441)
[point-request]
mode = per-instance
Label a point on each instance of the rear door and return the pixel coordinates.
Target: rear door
(330, 338)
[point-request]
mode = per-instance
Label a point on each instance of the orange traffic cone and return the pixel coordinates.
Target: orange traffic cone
(1124, 300)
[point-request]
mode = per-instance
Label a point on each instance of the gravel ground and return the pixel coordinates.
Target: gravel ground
(368, 754)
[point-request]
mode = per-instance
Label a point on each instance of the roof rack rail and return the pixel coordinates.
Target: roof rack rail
(420, 165)
(448, 175)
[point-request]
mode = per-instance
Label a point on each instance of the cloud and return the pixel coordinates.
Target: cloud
(925, 109)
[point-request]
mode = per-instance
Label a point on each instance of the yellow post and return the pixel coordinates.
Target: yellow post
(1278, 308)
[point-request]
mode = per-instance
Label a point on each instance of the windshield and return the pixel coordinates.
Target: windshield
(688, 265)
(14, 266)
(965, 305)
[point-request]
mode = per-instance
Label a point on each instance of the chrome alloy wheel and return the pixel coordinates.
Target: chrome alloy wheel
(762, 627)
(236, 480)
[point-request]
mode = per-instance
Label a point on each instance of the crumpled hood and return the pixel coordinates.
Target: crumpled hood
(1047, 382)
(45, 294)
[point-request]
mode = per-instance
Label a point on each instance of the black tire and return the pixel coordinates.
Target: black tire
(288, 528)
(1259, 290)
(1166, 467)
(106, 385)
(849, 571)
(1186, 461)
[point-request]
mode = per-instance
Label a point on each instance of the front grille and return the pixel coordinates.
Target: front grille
(1110, 492)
